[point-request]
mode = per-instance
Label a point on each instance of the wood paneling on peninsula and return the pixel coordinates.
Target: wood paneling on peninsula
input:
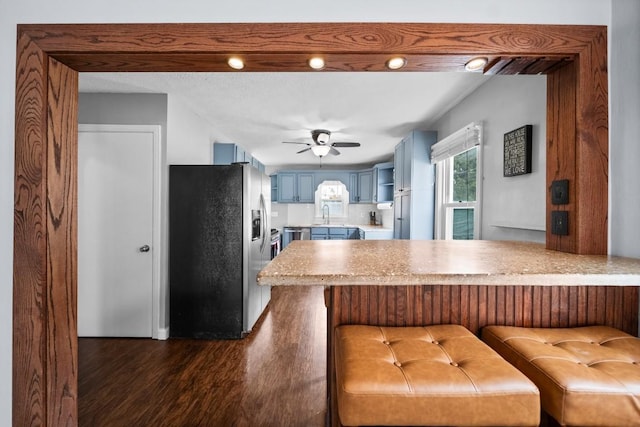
(476, 306)
(48, 57)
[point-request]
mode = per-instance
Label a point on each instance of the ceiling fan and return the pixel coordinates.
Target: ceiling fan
(321, 146)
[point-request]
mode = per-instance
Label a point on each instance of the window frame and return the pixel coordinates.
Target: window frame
(461, 141)
(318, 203)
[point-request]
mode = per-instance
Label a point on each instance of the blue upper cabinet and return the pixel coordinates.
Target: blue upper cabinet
(274, 187)
(361, 186)
(383, 182)
(412, 161)
(225, 154)
(398, 167)
(241, 155)
(306, 188)
(287, 192)
(294, 187)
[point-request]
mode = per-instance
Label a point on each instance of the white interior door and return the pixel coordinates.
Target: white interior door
(115, 231)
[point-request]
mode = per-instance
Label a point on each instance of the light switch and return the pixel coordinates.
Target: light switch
(560, 223)
(560, 192)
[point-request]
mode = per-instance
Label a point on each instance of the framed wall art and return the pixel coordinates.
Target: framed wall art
(517, 151)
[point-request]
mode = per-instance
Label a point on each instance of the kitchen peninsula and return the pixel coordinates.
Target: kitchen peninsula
(471, 283)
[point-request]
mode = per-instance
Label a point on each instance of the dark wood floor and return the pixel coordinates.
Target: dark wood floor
(274, 377)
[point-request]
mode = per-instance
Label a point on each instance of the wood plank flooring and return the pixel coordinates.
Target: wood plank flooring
(274, 377)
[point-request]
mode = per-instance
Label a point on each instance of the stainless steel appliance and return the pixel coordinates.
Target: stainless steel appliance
(219, 239)
(275, 242)
(295, 233)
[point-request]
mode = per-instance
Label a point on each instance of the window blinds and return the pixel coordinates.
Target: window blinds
(458, 142)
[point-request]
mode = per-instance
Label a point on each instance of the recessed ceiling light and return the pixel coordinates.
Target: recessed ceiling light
(396, 63)
(235, 63)
(476, 64)
(317, 63)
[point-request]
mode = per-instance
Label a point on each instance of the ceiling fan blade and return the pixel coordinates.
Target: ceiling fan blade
(295, 142)
(334, 152)
(345, 144)
(302, 151)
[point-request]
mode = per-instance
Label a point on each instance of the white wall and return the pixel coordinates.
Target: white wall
(624, 124)
(513, 208)
(595, 12)
(188, 135)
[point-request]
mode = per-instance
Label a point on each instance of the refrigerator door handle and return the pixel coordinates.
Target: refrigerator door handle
(263, 207)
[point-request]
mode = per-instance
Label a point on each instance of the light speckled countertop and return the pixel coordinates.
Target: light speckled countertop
(414, 262)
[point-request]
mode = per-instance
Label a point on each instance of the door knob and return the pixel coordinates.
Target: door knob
(144, 248)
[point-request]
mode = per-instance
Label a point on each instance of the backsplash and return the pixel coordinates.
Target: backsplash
(287, 214)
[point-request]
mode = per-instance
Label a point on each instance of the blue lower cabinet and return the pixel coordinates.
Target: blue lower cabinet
(335, 233)
(338, 233)
(319, 233)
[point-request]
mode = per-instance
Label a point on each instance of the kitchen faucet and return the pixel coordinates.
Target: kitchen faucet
(326, 220)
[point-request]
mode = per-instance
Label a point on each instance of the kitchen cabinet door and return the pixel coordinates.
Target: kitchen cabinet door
(338, 233)
(287, 188)
(306, 188)
(361, 187)
(319, 233)
(414, 176)
(274, 188)
(408, 162)
(353, 187)
(398, 167)
(402, 215)
(296, 187)
(365, 186)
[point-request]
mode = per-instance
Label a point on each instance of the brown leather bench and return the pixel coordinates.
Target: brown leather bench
(433, 375)
(587, 376)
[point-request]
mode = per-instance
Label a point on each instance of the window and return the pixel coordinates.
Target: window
(458, 181)
(331, 201)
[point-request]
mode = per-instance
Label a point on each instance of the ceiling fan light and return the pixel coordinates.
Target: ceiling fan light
(235, 63)
(320, 150)
(323, 137)
(396, 63)
(476, 64)
(317, 63)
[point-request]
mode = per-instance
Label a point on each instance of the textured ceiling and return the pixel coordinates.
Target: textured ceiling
(260, 110)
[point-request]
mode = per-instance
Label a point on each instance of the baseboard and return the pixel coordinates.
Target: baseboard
(163, 334)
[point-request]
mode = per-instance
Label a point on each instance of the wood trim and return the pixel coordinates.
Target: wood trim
(578, 149)
(477, 306)
(62, 155)
(44, 343)
(561, 150)
(592, 148)
(30, 298)
(305, 38)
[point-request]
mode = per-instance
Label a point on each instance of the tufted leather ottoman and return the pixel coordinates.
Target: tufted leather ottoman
(433, 375)
(587, 376)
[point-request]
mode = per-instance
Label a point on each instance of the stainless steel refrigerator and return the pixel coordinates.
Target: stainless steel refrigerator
(219, 239)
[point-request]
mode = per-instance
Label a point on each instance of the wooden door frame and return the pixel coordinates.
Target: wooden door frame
(49, 57)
